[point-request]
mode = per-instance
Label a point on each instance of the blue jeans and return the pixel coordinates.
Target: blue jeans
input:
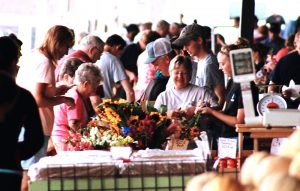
(37, 156)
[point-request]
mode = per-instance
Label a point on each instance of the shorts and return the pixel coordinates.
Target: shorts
(37, 156)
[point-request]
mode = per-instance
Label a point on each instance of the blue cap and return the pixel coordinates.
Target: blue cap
(158, 48)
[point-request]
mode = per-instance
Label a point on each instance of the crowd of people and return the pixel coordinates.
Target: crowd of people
(56, 88)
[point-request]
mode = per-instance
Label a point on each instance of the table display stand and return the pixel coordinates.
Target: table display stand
(259, 131)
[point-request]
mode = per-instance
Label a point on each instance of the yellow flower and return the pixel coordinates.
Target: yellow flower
(112, 116)
(106, 101)
(128, 139)
(157, 117)
(122, 101)
(115, 128)
(133, 119)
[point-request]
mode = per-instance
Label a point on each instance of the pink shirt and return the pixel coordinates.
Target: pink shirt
(146, 74)
(63, 114)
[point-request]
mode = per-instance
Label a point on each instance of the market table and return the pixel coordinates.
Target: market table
(258, 131)
(92, 170)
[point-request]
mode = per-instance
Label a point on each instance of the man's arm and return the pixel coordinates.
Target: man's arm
(129, 90)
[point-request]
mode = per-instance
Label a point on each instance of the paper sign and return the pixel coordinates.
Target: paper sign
(177, 144)
(276, 143)
(227, 148)
(203, 144)
(120, 152)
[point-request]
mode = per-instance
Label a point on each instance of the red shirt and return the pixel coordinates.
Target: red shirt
(76, 54)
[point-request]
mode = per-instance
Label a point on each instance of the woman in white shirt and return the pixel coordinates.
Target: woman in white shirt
(37, 75)
(183, 96)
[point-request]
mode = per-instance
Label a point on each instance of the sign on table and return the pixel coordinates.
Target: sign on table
(227, 147)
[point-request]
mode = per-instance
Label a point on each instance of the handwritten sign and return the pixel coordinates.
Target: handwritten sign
(177, 144)
(276, 143)
(227, 147)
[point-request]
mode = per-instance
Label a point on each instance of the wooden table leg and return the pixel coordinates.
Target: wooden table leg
(241, 145)
(255, 144)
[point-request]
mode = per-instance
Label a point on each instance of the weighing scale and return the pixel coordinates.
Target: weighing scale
(272, 107)
(243, 72)
(274, 110)
(271, 101)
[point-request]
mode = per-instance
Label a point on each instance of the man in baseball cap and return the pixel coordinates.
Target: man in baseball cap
(159, 54)
(193, 39)
(158, 48)
(190, 32)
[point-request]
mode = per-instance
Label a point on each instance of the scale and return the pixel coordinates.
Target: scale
(270, 101)
(243, 72)
(273, 109)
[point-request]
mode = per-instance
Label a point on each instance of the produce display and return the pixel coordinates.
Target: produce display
(249, 166)
(227, 162)
(261, 171)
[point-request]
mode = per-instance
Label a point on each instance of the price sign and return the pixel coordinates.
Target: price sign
(227, 147)
(276, 143)
(177, 144)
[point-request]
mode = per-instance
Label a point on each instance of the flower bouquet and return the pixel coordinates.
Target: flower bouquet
(183, 128)
(96, 136)
(183, 131)
(119, 123)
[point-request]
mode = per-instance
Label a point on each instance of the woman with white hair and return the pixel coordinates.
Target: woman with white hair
(183, 96)
(87, 79)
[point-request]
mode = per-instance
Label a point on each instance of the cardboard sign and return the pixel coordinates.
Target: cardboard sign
(227, 148)
(177, 144)
(276, 143)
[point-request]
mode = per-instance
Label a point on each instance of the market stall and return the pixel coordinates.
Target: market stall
(97, 170)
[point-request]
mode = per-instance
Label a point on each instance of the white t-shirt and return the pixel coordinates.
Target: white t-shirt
(183, 98)
(112, 70)
(36, 68)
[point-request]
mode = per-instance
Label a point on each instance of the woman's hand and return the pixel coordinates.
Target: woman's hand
(69, 101)
(177, 114)
(74, 124)
(62, 89)
(201, 104)
(206, 110)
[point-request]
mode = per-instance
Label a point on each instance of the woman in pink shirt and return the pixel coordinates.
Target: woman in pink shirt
(87, 79)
